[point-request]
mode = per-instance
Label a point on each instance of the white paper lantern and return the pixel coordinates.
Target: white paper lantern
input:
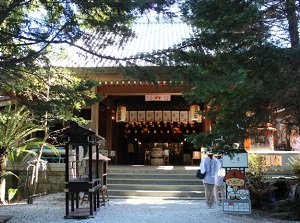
(121, 114)
(194, 114)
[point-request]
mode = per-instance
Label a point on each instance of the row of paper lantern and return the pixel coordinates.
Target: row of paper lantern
(193, 115)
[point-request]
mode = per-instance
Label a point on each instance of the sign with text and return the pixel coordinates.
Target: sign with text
(238, 159)
(157, 97)
(237, 206)
(237, 194)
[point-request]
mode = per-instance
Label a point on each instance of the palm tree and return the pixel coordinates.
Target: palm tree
(16, 127)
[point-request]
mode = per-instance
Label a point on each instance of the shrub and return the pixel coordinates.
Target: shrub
(257, 165)
(258, 185)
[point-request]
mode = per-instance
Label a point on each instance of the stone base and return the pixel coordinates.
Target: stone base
(157, 162)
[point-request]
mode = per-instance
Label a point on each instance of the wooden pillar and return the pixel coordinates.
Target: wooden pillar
(95, 115)
(91, 178)
(109, 129)
(207, 125)
(95, 118)
(67, 179)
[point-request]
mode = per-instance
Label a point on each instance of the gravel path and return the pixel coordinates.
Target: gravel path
(51, 208)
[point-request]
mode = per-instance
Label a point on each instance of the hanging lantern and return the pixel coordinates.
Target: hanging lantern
(121, 114)
(194, 114)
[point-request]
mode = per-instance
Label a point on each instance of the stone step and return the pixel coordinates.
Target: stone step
(150, 182)
(168, 181)
(156, 193)
(152, 169)
(165, 187)
(153, 176)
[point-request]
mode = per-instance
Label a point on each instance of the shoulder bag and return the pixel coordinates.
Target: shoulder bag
(200, 175)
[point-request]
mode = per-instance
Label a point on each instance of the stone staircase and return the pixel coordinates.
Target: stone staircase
(166, 182)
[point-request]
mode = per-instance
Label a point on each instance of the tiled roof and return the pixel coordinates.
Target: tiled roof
(151, 35)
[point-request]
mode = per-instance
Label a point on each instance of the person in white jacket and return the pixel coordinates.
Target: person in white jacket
(209, 165)
(219, 182)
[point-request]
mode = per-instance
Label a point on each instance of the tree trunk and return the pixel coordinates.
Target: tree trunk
(3, 156)
(293, 23)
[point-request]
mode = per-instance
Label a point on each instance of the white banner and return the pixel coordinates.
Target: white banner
(158, 97)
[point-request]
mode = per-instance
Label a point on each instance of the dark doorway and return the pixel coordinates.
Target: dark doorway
(134, 139)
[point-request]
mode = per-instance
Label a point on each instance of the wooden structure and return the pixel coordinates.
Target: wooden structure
(78, 142)
(103, 164)
(140, 112)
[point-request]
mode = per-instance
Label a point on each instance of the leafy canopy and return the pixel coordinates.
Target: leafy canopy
(242, 63)
(33, 32)
(238, 66)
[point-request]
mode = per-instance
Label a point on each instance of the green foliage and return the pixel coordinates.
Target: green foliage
(286, 210)
(257, 164)
(240, 70)
(258, 185)
(11, 193)
(21, 155)
(58, 97)
(7, 173)
(17, 145)
(15, 127)
(33, 33)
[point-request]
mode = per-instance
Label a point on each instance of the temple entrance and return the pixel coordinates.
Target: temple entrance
(155, 143)
(135, 126)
